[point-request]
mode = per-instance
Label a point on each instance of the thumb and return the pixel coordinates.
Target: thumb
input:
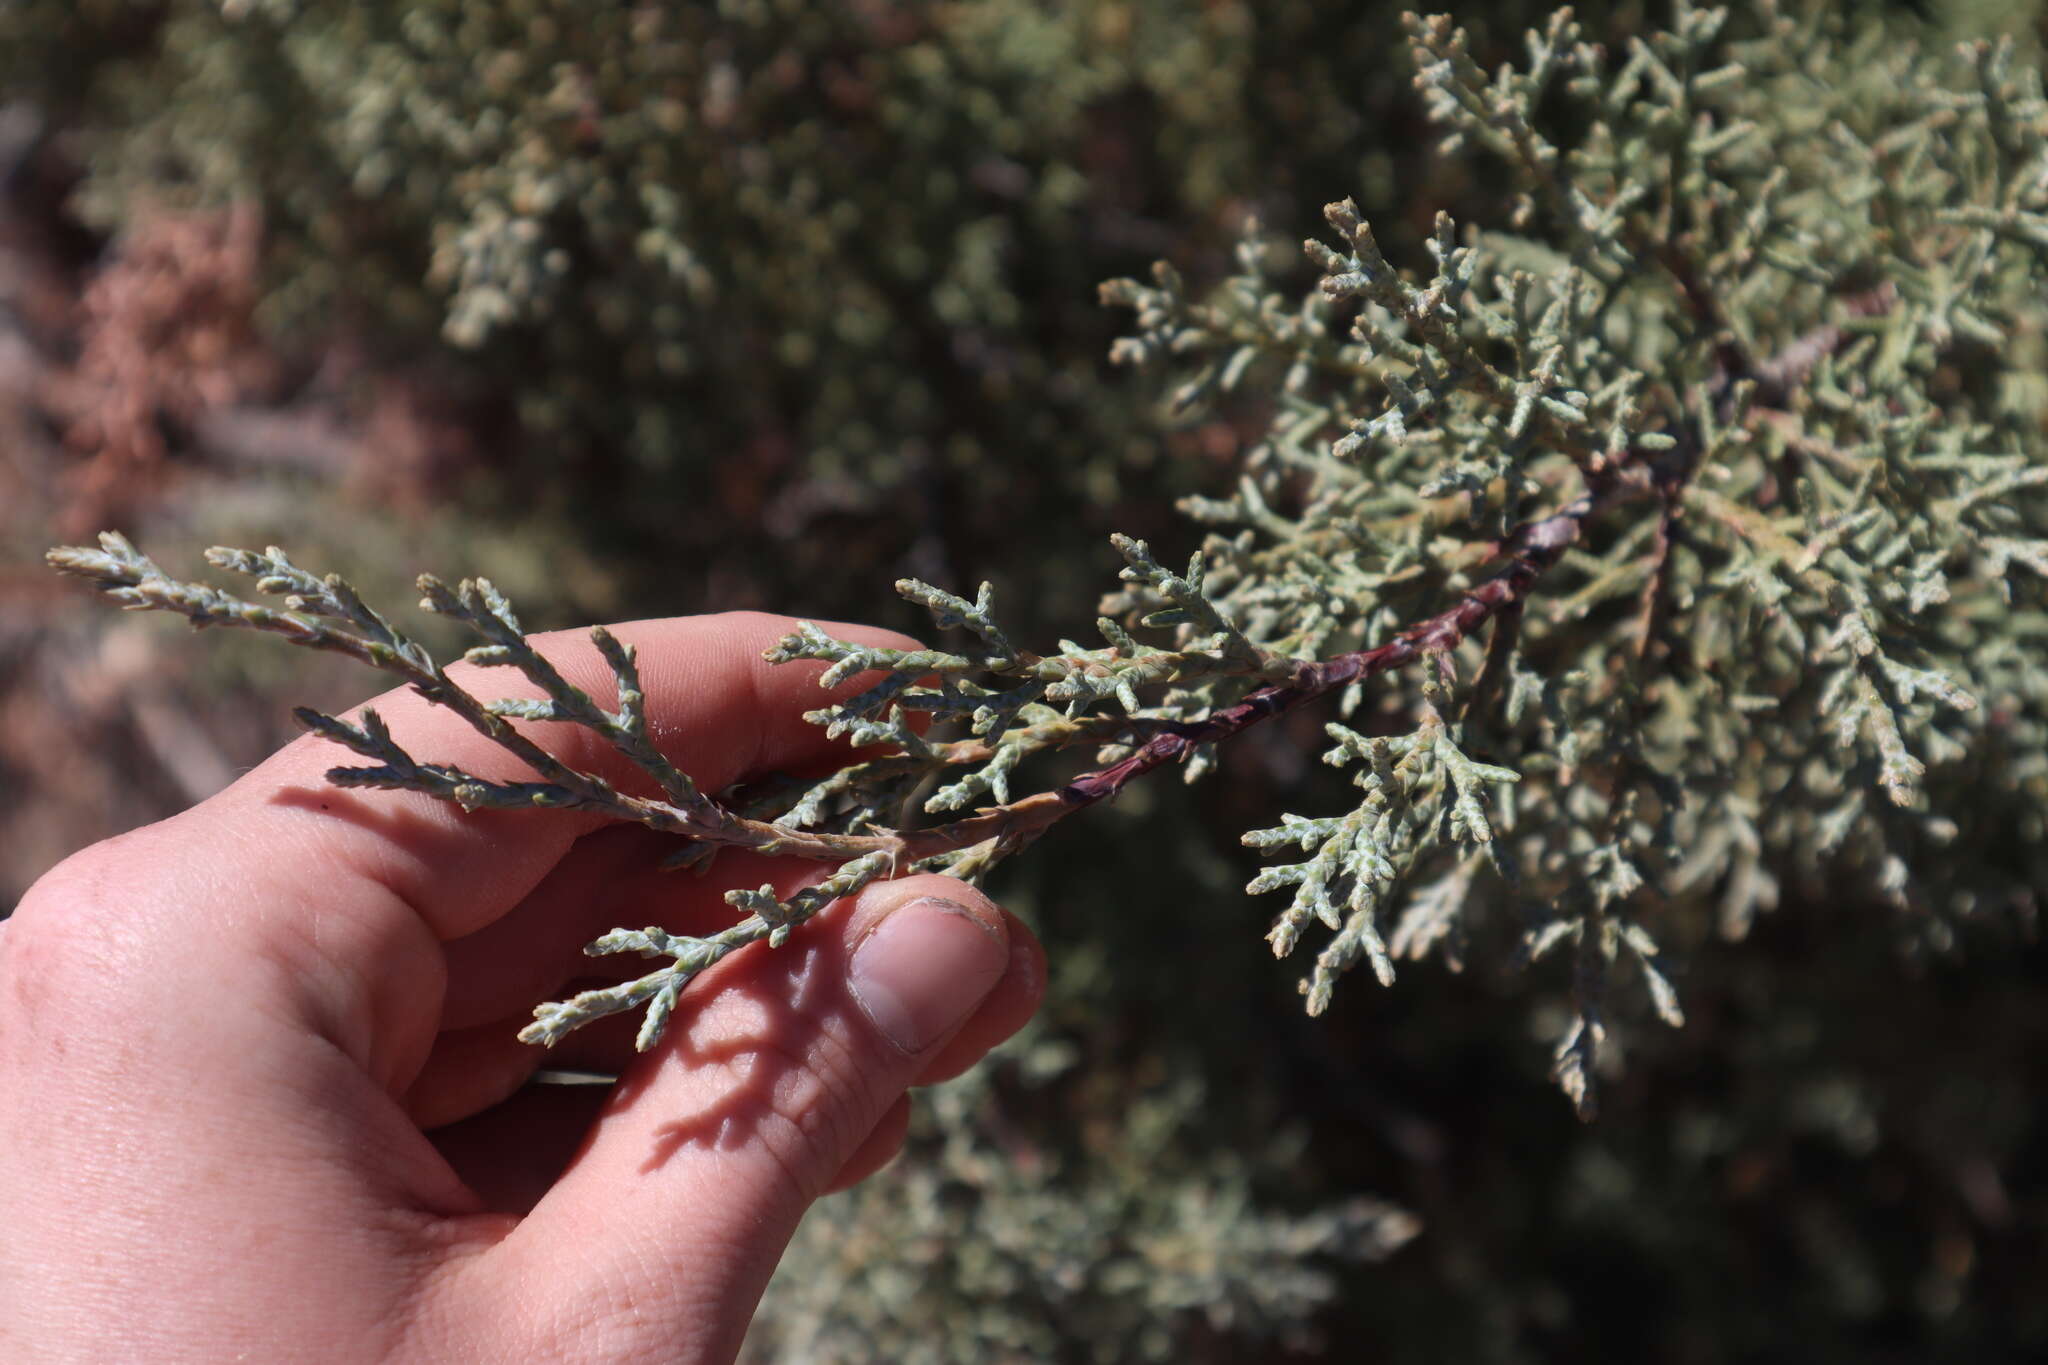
(665, 1229)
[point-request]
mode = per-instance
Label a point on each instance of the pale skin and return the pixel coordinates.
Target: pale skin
(260, 1096)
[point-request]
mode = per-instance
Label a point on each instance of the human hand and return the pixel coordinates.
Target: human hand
(260, 1094)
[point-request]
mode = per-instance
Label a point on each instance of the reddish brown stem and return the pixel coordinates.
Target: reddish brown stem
(1531, 549)
(1650, 610)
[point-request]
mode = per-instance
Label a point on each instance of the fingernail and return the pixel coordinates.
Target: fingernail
(923, 969)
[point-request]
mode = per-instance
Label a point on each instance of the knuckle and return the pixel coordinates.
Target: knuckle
(70, 910)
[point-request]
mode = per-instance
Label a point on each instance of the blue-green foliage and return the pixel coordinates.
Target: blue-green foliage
(1763, 292)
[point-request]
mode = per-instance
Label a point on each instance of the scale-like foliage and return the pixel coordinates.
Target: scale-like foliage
(1681, 535)
(1661, 545)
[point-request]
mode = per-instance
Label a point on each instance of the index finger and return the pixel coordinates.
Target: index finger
(715, 708)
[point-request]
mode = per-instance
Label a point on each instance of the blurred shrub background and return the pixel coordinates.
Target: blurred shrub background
(656, 308)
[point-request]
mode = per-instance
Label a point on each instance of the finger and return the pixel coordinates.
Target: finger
(882, 1146)
(468, 1071)
(479, 1061)
(340, 895)
(535, 952)
(715, 708)
(1006, 1009)
(714, 1145)
(511, 1153)
(609, 878)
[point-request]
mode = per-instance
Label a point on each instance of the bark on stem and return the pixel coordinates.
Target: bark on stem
(1531, 549)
